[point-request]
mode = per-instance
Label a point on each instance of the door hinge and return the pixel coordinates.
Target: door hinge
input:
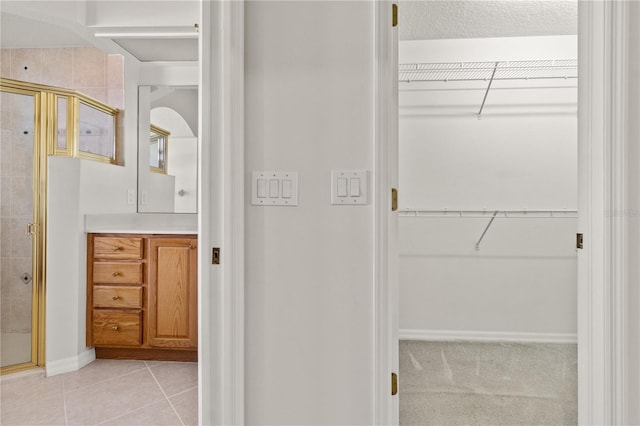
(579, 241)
(215, 256)
(394, 384)
(394, 199)
(394, 15)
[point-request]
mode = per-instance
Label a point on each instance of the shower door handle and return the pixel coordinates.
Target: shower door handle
(31, 229)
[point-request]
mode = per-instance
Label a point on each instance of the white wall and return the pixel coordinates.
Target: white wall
(309, 273)
(76, 188)
(521, 154)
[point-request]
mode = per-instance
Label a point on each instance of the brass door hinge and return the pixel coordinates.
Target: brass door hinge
(394, 199)
(579, 241)
(394, 13)
(394, 384)
(215, 256)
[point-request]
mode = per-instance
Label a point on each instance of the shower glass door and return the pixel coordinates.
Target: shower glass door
(18, 232)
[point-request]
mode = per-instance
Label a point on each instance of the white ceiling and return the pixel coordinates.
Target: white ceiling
(427, 19)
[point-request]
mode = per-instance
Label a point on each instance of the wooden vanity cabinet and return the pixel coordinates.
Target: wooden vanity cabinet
(142, 296)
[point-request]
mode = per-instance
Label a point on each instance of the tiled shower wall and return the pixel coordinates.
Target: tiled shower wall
(85, 69)
(16, 193)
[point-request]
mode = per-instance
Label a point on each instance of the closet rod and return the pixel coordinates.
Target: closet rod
(488, 213)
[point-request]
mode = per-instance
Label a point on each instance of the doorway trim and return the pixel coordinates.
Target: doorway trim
(604, 195)
(221, 218)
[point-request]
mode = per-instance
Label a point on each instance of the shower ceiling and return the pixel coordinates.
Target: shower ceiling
(426, 20)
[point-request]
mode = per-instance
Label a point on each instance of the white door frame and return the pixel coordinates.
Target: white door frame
(221, 218)
(603, 285)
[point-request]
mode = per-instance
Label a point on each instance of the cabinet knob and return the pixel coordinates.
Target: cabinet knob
(117, 249)
(116, 297)
(116, 274)
(114, 327)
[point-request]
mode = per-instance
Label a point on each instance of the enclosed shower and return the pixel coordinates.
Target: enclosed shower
(17, 218)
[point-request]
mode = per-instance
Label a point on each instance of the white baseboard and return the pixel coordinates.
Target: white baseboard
(485, 336)
(73, 363)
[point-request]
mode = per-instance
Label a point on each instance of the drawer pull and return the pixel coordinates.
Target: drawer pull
(116, 297)
(114, 327)
(116, 274)
(118, 249)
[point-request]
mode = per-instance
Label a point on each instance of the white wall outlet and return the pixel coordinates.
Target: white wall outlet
(131, 196)
(274, 188)
(349, 187)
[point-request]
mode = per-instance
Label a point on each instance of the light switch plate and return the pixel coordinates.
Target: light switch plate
(349, 187)
(270, 188)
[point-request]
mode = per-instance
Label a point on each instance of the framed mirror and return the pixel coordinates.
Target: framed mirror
(158, 147)
(167, 149)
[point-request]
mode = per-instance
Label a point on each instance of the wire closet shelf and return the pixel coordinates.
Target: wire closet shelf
(489, 213)
(496, 70)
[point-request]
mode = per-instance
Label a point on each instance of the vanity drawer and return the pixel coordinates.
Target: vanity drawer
(117, 297)
(120, 328)
(117, 273)
(117, 248)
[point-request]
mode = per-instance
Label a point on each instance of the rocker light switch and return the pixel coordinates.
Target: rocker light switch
(274, 188)
(349, 187)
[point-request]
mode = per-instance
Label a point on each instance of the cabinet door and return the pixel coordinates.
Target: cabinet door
(173, 315)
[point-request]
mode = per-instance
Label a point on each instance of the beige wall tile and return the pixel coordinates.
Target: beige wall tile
(26, 65)
(5, 278)
(5, 153)
(21, 196)
(20, 290)
(5, 241)
(115, 71)
(99, 93)
(89, 65)
(5, 317)
(22, 156)
(57, 67)
(115, 98)
(5, 63)
(20, 242)
(5, 197)
(21, 315)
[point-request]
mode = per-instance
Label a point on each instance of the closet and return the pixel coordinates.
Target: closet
(488, 178)
(487, 218)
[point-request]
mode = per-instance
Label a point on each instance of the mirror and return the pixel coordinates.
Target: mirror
(167, 149)
(158, 145)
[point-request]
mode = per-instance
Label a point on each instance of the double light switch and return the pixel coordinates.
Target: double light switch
(349, 187)
(274, 188)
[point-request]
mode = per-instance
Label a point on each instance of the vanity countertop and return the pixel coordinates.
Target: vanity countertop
(134, 223)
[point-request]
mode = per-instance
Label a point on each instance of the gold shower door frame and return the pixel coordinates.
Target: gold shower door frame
(44, 130)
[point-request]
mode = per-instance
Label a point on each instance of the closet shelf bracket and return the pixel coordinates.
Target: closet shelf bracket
(486, 229)
(486, 93)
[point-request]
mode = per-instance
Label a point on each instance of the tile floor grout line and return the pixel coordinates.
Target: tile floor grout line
(165, 395)
(64, 403)
(184, 391)
(128, 413)
(104, 380)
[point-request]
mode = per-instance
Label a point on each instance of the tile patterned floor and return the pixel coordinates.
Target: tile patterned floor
(105, 392)
(460, 383)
